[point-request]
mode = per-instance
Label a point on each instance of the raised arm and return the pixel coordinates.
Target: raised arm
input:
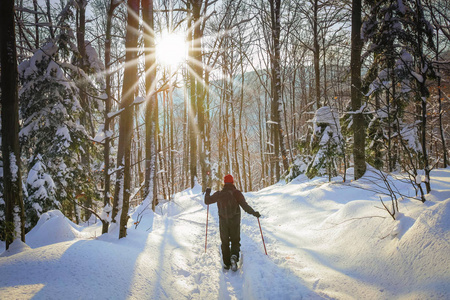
(211, 199)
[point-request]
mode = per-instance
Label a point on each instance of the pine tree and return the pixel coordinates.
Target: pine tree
(41, 194)
(401, 37)
(51, 131)
(325, 143)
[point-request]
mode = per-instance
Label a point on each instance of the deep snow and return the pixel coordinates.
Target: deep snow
(324, 241)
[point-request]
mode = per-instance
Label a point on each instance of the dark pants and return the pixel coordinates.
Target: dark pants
(230, 232)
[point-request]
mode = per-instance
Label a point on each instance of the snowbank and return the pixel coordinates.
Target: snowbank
(16, 247)
(53, 227)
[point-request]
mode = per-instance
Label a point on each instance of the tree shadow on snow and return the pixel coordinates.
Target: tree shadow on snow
(90, 269)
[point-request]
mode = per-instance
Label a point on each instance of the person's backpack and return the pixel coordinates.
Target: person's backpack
(228, 205)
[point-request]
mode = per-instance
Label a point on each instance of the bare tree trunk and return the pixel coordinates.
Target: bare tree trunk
(275, 11)
(250, 186)
(12, 177)
(325, 88)
(84, 101)
(234, 141)
(171, 143)
(186, 119)
(139, 173)
(228, 162)
(261, 144)
(126, 117)
(49, 17)
(36, 24)
(197, 68)
(193, 104)
(207, 132)
(316, 51)
(440, 98)
(151, 99)
(241, 134)
(220, 141)
(108, 103)
(389, 119)
(157, 147)
(424, 94)
(293, 110)
(359, 135)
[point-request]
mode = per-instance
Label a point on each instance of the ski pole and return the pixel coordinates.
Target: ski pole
(206, 236)
(262, 236)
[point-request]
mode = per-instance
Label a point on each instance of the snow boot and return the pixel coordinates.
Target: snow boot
(233, 260)
(226, 267)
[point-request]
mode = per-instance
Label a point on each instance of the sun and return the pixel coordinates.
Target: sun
(171, 50)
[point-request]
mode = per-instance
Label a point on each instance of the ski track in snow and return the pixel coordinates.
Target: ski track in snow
(258, 277)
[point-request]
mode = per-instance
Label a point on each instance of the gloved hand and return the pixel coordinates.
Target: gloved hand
(257, 214)
(208, 191)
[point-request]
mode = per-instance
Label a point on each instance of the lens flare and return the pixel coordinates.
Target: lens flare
(171, 50)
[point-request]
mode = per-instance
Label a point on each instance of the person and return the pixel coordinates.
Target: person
(229, 200)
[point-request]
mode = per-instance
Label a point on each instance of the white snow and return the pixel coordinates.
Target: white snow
(325, 240)
(102, 134)
(16, 247)
(418, 77)
(13, 166)
(94, 61)
(139, 100)
(64, 133)
(115, 113)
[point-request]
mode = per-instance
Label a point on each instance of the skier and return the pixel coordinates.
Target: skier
(228, 201)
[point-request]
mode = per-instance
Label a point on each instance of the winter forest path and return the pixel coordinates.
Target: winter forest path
(184, 271)
(325, 240)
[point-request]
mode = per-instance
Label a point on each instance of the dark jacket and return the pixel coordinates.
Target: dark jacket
(228, 201)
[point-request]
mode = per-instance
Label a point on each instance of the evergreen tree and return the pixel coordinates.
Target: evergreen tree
(401, 37)
(41, 193)
(50, 110)
(325, 143)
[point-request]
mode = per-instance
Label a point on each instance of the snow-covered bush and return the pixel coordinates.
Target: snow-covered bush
(41, 194)
(298, 167)
(325, 143)
(376, 139)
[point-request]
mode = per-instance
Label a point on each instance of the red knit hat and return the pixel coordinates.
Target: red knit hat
(228, 179)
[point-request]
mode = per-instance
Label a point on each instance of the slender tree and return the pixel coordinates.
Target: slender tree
(151, 99)
(107, 127)
(276, 108)
(193, 129)
(123, 181)
(356, 94)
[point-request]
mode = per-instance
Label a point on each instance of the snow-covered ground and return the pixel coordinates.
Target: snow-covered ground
(324, 241)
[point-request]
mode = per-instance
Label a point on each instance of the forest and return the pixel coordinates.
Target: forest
(105, 103)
